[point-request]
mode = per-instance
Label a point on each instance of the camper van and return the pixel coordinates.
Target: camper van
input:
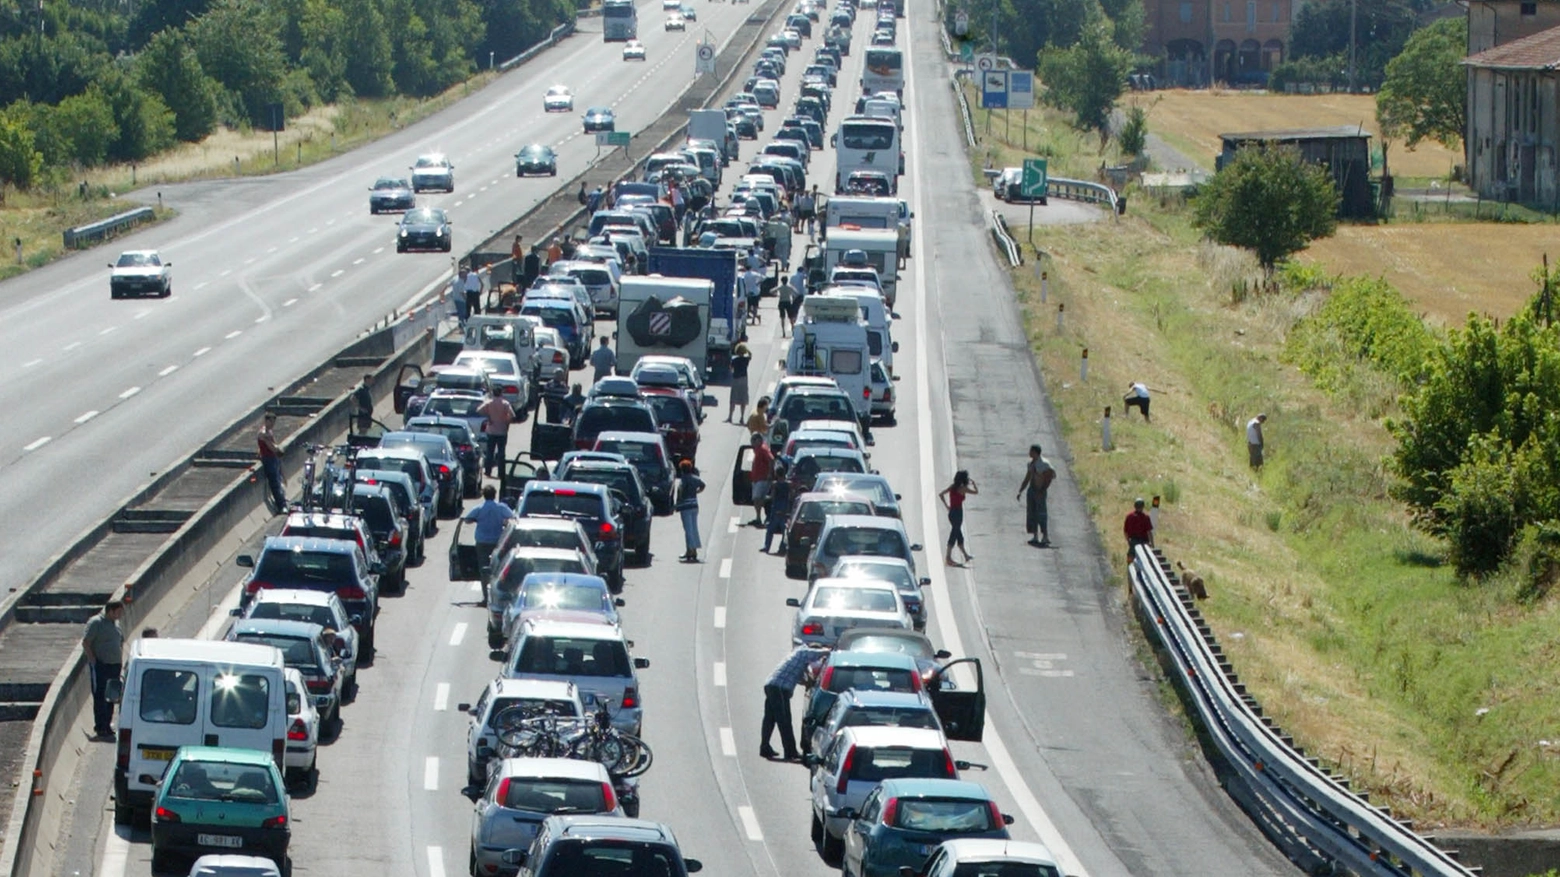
(874, 312)
(831, 341)
(189, 692)
(882, 253)
(873, 213)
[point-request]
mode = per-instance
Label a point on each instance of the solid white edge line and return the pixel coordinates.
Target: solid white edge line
(441, 697)
(458, 634)
(431, 773)
(947, 624)
(219, 617)
(750, 823)
(116, 852)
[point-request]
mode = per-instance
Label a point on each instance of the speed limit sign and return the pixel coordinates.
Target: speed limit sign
(705, 62)
(984, 63)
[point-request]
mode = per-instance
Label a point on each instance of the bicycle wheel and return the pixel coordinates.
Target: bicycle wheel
(514, 728)
(641, 760)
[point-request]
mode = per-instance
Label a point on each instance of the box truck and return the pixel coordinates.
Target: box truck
(719, 266)
(663, 315)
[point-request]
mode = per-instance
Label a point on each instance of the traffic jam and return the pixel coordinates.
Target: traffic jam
(615, 346)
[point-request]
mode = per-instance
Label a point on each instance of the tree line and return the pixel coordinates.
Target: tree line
(85, 83)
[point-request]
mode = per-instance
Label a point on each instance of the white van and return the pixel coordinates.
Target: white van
(881, 247)
(866, 212)
(831, 341)
(189, 692)
(880, 335)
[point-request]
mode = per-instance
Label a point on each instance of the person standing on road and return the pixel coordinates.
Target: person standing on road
(593, 203)
(758, 421)
(758, 476)
(572, 404)
(779, 504)
(752, 290)
(953, 500)
(363, 403)
(603, 361)
(1137, 397)
(784, 294)
(554, 394)
(798, 668)
(473, 291)
(554, 251)
(490, 517)
(1254, 441)
(499, 415)
(517, 255)
(1139, 528)
(458, 295)
(530, 269)
(271, 461)
(741, 358)
(1037, 482)
(805, 203)
(688, 487)
(812, 215)
(583, 197)
(103, 644)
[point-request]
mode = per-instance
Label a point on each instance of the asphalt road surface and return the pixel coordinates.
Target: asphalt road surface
(1078, 747)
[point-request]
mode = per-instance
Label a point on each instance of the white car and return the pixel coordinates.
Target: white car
(484, 739)
(990, 856)
(633, 50)
(140, 272)
(675, 21)
(503, 370)
(558, 100)
(433, 172)
(793, 38)
(835, 605)
(669, 5)
(303, 730)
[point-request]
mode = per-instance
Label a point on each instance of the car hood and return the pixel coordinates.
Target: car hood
(138, 271)
(421, 226)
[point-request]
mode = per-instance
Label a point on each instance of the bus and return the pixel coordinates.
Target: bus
(885, 71)
(620, 20)
(865, 143)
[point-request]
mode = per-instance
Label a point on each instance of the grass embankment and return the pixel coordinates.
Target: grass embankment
(40, 217)
(1438, 697)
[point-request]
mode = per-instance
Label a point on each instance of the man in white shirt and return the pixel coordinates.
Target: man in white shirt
(1254, 440)
(752, 289)
(1137, 397)
(473, 292)
(458, 294)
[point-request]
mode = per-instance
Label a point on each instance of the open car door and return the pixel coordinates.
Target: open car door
(365, 438)
(464, 565)
(819, 702)
(406, 385)
(518, 472)
(963, 712)
(550, 441)
(741, 483)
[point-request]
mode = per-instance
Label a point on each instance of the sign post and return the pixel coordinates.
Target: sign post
(1032, 186)
(704, 59)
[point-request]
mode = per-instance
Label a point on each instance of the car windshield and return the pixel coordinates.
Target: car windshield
(867, 135)
(945, 816)
(267, 609)
(315, 566)
(424, 216)
(872, 679)
(890, 717)
(553, 595)
(892, 762)
(568, 656)
(388, 183)
(431, 446)
(557, 90)
(452, 406)
(457, 433)
(617, 858)
(553, 796)
(621, 480)
(1004, 869)
(818, 407)
(220, 781)
(137, 260)
(534, 152)
(375, 511)
(498, 365)
(672, 410)
(556, 317)
(854, 600)
(646, 456)
(876, 488)
(865, 540)
(813, 512)
(896, 645)
(883, 572)
(430, 161)
(574, 505)
(296, 652)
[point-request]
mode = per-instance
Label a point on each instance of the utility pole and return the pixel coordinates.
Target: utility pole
(1354, 8)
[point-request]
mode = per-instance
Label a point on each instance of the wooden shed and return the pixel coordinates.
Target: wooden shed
(1343, 150)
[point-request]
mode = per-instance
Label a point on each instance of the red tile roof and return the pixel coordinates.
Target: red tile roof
(1541, 51)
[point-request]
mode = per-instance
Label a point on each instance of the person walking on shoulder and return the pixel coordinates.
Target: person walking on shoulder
(490, 517)
(603, 361)
(688, 487)
(758, 476)
(1254, 441)
(952, 498)
(458, 295)
(271, 461)
(1139, 528)
(473, 292)
(1137, 397)
(103, 644)
(495, 429)
(741, 358)
(798, 668)
(1037, 482)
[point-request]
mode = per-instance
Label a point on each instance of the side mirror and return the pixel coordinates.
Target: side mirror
(894, 347)
(915, 546)
(897, 496)
(1007, 819)
(641, 663)
(962, 765)
(925, 581)
(693, 866)
(167, 264)
(235, 612)
(463, 707)
(793, 602)
(110, 264)
(618, 601)
(245, 560)
(942, 654)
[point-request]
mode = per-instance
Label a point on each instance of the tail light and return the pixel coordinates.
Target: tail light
(823, 680)
(317, 686)
(866, 392)
(395, 538)
(850, 762)
(275, 822)
(997, 820)
(508, 391)
(163, 814)
(890, 809)
(464, 449)
(254, 586)
(608, 798)
(607, 529)
(297, 731)
(444, 471)
(888, 394)
(503, 792)
(915, 682)
(630, 699)
(351, 592)
(949, 766)
(123, 755)
(812, 628)
(557, 356)
(564, 492)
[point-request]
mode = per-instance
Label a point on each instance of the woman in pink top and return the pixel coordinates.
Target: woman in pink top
(953, 500)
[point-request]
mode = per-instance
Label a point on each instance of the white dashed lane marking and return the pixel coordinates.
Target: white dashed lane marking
(441, 697)
(458, 634)
(130, 392)
(725, 568)
(728, 743)
(35, 445)
(431, 774)
(202, 352)
(233, 334)
(720, 674)
(338, 272)
(32, 362)
(289, 303)
(720, 616)
(750, 823)
(86, 417)
(167, 371)
(315, 286)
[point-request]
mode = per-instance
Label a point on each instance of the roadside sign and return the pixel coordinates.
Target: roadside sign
(704, 59)
(994, 89)
(966, 53)
(986, 62)
(612, 139)
(1020, 89)
(1033, 183)
(961, 23)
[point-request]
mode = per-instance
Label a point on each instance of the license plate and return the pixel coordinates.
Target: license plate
(220, 840)
(157, 754)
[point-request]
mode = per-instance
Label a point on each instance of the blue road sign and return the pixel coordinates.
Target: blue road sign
(994, 90)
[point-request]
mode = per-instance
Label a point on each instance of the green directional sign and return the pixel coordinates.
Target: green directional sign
(966, 53)
(1033, 183)
(613, 138)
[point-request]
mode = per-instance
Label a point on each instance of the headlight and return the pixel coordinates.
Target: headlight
(403, 232)
(440, 232)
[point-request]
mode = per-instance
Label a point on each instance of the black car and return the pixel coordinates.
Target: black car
(612, 414)
(386, 521)
(424, 228)
(746, 130)
(594, 507)
(813, 108)
(620, 476)
(467, 447)
(334, 565)
(536, 159)
(389, 193)
(599, 119)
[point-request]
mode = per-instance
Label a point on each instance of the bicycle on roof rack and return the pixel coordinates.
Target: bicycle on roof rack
(329, 472)
(540, 731)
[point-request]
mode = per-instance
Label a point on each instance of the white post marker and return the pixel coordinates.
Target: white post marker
(1083, 366)
(1153, 514)
(1105, 430)
(1060, 309)
(1045, 284)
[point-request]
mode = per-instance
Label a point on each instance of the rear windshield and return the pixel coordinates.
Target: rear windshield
(615, 418)
(492, 364)
(553, 796)
(219, 781)
(169, 696)
(949, 816)
(565, 656)
(449, 381)
(620, 480)
(578, 505)
(617, 858)
(815, 512)
(520, 567)
(878, 490)
(269, 610)
(866, 540)
(305, 566)
(535, 537)
(1004, 869)
(558, 318)
(671, 410)
(854, 600)
(394, 487)
(800, 408)
(299, 653)
(241, 700)
(400, 464)
(320, 532)
(870, 679)
(376, 512)
(456, 433)
(892, 762)
(890, 717)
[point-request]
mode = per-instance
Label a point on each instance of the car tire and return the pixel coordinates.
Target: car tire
(124, 814)
(446, 246)
(400, 248)
(817, 830)
(471, 866)
(368, 646)
(113, 293)
(832, 849)
(285, 866)
(349, 690)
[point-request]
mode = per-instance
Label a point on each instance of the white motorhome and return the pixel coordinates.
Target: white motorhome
(663, 315)
(874, 213)
(874, 312)
(831, 341)
(881, 247)
(189, 692)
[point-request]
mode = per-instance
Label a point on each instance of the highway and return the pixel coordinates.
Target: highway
(1078, 746)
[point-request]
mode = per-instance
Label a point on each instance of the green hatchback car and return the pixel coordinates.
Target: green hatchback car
(220, 800)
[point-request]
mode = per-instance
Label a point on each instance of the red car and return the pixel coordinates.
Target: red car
(678, 419)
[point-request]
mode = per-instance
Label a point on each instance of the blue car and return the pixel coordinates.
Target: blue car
(904, 820)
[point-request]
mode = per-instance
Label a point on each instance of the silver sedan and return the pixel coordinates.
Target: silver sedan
(835, 605)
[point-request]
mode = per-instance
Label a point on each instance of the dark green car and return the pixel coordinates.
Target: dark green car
(536, 159)
(219, 800)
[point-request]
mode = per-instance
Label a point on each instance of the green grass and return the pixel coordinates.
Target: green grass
(39, 219)
(1341, 616)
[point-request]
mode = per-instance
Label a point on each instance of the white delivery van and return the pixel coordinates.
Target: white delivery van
(881, 247)
(874, 213)
(663, 315)
(880, 336)
(191, 692)
(831, 341)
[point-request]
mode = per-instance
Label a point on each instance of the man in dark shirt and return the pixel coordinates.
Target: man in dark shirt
(1139, 528)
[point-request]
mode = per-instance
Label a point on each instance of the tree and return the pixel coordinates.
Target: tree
(143, 123)
(367, 54)
(20, 160)
(1425, 93)
(1087, 77)
(238, 43)
(83, 129)
(1381, 27)
(1133, 136)
(169, 67)
(1268, 200)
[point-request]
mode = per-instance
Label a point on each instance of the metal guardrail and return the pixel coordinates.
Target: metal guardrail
(1311, 815)
(964, 113)
(557, 34)
(97, 232)
(1010, 248)
(1083, 190)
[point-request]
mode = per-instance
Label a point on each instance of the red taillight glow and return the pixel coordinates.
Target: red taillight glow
(630, 698)
(828, 674)
(607, 529)
(563, 492)
(812, 628)
(318, 686)
(512, 391)
(915, 681)
(464, 449)
(608, 798)
(275, 822)
(502, 794)
(949, 766)
(297, 731)
(351, 592)
(443, 470)
(395, 538)
(163, 814)
(996, 815)
(850, 761)
(889, 811)
(866, 392)
(255, 586)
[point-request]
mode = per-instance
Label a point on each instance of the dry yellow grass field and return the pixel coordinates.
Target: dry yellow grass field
(1195, 119)
(1449, 269)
